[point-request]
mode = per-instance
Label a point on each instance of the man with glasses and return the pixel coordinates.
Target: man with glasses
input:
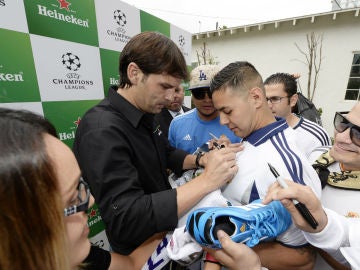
(194, 128)
(339, 166)
(281, 94)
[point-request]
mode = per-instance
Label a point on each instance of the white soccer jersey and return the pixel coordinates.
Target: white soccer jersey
(274, 144)
(310, 135)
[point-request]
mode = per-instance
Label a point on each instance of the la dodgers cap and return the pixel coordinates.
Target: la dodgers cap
(202, 75)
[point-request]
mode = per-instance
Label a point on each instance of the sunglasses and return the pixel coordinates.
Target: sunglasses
(341, 124)
(199, 93)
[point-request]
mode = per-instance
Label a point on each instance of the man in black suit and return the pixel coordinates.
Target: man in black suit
(173, 109)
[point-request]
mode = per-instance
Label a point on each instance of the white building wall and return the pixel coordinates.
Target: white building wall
(272, 49)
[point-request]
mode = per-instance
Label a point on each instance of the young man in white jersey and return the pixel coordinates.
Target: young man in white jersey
(337, 214)
(281, 94)
(238, 94)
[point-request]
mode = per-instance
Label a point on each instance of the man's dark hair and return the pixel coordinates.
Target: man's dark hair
(154, 53)
(288, 80)
(239, 75)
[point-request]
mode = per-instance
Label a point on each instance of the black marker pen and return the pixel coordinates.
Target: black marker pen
(299, 206)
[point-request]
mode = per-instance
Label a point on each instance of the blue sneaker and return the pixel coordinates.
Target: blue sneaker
(247, 224)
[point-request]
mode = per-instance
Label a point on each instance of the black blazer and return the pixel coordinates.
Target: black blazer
(164, 118)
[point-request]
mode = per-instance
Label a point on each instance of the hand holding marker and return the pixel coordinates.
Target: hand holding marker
(215, 142)
(299, 206)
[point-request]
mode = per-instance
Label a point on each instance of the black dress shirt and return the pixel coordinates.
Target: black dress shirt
(123, 156)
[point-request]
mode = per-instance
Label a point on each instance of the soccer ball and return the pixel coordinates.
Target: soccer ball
(71, 61)
(181, 40)
(120, 17)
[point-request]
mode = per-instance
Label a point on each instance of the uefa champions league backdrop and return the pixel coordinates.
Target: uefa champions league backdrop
(59, 57)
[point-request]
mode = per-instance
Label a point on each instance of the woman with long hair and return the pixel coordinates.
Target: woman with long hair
(43, 202)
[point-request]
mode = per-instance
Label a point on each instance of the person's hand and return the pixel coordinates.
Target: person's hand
(220, 166)
(222, 142)
(235, 147)
(302, 194)
(235, 256)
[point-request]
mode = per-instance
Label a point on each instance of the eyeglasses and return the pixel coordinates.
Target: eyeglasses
(82, 197)
(341, 124)
(274, 100)
(199, 93)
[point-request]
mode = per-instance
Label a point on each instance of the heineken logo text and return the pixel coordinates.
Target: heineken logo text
(11, 77)
(59, 16)
(114, 81)
(63, 136)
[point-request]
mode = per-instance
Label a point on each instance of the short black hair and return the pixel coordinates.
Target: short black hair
(288, 80)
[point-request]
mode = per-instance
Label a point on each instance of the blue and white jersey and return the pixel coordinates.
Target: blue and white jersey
(274, 144)
(310, 135)
(188, 131)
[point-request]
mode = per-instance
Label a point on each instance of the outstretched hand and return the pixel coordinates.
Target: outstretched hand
(303, 194)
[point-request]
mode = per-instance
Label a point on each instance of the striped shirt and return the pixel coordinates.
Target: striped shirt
(310, 136)
(275, 144)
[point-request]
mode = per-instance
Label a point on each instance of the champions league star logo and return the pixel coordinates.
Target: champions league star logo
(181, 40)
(72, 80)
(71, 61)
(119, 34)
(120, 17)
(181, 45)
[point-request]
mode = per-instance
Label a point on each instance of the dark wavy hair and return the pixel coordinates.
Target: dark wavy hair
(32, 226)
(154, 53)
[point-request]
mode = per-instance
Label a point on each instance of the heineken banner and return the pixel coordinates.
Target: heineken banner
(59, 57)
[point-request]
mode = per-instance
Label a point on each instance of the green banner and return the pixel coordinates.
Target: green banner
(152, 23)
(95, 221)
(18, 81)
(66, 116)
(110, 68)
(63, 19)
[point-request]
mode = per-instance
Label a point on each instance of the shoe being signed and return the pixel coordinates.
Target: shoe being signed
(247, 224)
